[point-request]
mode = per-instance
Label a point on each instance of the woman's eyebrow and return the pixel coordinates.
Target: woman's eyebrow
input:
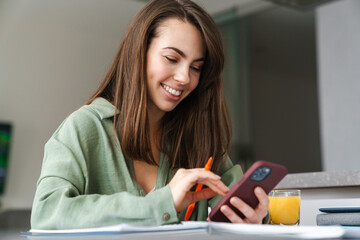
(181, 53)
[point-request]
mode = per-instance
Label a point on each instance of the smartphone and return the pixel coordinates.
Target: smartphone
(263, 174)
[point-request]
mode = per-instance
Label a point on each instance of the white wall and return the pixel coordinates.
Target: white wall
(53, 55)
(338, 45)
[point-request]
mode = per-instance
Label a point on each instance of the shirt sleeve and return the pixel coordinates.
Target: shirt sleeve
(59, 205)
(64, 198)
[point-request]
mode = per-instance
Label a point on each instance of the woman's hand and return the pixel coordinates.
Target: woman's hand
(185, 179)
(251, 215)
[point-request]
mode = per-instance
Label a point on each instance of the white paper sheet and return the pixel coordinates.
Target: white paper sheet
(294, 232)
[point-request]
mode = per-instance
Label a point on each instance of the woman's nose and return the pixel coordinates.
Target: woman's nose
(182, 76)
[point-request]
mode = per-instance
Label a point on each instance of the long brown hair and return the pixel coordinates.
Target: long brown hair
(199, 126)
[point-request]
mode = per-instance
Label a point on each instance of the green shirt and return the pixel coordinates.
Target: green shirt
(85, 180)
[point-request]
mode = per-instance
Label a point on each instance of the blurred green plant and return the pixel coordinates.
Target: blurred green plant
(5, 138)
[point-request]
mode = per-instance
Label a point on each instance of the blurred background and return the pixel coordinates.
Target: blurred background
(291, 79)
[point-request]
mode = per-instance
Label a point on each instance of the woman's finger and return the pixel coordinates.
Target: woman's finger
(203, 194)
(249, 213)
(190, 177)
(252, 215)
(185, 179)
(262, 207)
(207, 178)
(231, 215)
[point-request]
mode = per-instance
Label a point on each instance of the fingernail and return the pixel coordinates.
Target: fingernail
(224, 209)
(218, 176)
(258, 190)
(235, 201)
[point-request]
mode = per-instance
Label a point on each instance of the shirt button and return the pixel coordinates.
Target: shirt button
(166, 216)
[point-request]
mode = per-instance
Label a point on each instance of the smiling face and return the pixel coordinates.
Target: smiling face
(174, 61)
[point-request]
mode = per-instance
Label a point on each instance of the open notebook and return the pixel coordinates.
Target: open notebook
(296, 232)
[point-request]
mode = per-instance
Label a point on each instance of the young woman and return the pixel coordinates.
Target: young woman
(135, 151)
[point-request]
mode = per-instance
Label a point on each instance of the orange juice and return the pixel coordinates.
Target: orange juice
(284, 209)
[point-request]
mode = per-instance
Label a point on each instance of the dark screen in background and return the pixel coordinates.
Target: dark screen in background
(5, 137)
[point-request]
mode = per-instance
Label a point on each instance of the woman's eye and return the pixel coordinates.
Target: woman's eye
(170, 59)
(197, 69)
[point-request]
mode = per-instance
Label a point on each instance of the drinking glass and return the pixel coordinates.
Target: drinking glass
(284, 207)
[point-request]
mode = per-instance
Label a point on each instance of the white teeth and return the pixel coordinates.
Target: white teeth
(172, 91)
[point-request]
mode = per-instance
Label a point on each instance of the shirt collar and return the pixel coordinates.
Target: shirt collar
(103, 107)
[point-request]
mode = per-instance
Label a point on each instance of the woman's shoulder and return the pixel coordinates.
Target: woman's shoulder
(88, 118)
(228, 165)
(99, 109)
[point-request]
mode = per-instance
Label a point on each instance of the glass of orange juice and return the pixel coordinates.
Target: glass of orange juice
(284, 207)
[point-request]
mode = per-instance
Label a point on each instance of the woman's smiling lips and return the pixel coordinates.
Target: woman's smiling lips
(173, 92)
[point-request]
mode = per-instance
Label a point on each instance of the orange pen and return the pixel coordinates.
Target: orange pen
(198, 188)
